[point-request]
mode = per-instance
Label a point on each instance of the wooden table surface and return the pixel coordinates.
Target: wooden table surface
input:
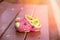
(8, 13)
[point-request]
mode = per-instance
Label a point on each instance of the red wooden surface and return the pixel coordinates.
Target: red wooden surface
(37, 35)
(53, 31)
(43, 13)
(12, 34)
(7, 16)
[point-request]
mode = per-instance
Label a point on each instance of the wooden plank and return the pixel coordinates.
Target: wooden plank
(7, 16)
(41, 12)
(3, 7)
(56, 13)
(12, 34)
(53, 31)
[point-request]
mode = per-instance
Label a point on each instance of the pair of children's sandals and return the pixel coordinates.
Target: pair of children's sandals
(27, 24)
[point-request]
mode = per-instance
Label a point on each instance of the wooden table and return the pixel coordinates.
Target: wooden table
(8, 13)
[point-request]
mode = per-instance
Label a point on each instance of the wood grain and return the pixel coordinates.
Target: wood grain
(41, 12)
(53, 31)
(7, 16)
(11, 33)
(8, 31)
